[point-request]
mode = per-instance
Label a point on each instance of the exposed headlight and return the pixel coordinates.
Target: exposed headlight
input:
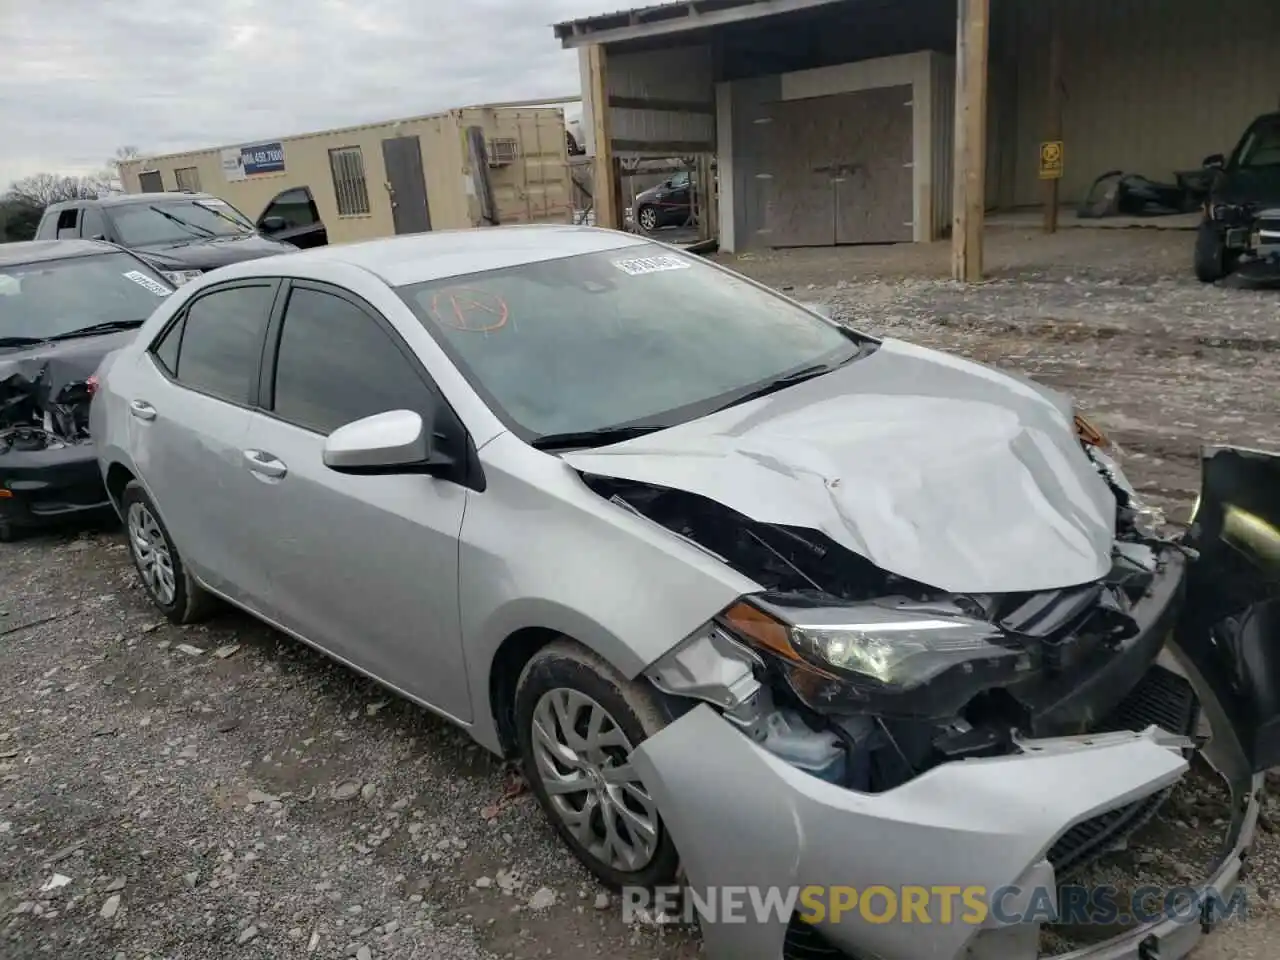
(179, 277)
(921, 661)
(1147, 519)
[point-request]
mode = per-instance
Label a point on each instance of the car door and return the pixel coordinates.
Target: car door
(293, 217)
(189, 403)
(364, 566)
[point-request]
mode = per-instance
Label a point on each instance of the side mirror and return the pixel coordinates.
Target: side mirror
(821, 309)
(98, 236)
(1215, 160)
(273, 224)
(393, 442)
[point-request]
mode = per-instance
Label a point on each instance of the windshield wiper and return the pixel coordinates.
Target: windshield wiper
(781, 383)
(593, 438)
(22, 341)
(245, 228)
(200, 231)
(109, 327)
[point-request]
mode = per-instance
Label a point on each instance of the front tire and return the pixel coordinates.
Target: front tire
(164, 576)
(647, 217)
(577, 722)
(1211, 260)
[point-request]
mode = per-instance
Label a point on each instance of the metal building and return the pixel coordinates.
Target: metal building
(847, 121)
(399, 176)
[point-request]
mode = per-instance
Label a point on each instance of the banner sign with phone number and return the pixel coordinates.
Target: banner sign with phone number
(252, 160)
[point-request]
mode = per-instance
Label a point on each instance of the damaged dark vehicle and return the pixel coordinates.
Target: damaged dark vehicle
(1241, 225)
(64, 305)
(755, 599)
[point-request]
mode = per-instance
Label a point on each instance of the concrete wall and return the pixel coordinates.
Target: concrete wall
(743, 129)
(1152, 86)
(535, 187)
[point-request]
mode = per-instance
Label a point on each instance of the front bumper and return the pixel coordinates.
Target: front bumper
(978, 824)
(742, 817)
(42, 486)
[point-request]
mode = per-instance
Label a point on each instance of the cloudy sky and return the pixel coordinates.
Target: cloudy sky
(83, 77)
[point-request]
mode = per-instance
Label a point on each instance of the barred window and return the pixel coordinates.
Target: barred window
(347, 166)
(188, 178)
(503, 150)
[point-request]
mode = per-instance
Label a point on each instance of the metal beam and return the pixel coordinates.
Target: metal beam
(969, 214)
(616, 28)
(605, 183)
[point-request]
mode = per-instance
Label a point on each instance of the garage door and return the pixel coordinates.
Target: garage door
(841, 169)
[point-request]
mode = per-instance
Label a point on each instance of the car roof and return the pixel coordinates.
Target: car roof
(439, 254)
(36, 251)
(123, 199)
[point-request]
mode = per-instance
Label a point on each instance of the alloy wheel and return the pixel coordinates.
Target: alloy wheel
(649, 218)
(151, 553)
(583, 761)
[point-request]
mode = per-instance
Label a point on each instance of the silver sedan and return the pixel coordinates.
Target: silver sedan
(744, 591)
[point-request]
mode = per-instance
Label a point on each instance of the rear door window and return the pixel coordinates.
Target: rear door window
(220, 338)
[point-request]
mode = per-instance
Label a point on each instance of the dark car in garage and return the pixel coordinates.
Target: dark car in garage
(1242, 215)
(668, 204)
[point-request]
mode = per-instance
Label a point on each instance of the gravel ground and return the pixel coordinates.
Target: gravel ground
(222, 791)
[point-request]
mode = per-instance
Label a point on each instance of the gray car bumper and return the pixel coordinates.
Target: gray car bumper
(743, 818)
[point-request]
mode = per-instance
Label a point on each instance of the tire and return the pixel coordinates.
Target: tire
(647, 218)
(1211, 260)
(564, 679)
(163, 574)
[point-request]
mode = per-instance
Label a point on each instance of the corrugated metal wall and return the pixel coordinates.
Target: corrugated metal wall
(942, 113)
(1152, 86)
(678, 80)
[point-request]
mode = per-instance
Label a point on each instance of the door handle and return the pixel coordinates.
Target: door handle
(264, 464)
(142, 410)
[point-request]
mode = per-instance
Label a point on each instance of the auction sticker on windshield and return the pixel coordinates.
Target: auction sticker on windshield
(642, 265)
(142, 280)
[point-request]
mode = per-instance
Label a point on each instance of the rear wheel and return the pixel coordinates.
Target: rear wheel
(1211, 260)
(163, 573)
(578, 722)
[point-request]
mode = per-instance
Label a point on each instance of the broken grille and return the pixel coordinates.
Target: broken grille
(1164, 699)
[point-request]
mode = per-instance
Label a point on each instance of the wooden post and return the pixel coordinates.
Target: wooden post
(969, 214)
(606, 186)
(1053, 125)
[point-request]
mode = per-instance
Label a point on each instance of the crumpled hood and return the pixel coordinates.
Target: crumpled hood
(37, 375)
(210, 254)
(934, 468)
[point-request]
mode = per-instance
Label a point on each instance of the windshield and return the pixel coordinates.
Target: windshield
(177, 221)
(54, 297)
(1260, 146)
(634, 335)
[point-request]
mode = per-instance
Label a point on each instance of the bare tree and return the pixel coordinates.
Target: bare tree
(123, 155)
(42, 189)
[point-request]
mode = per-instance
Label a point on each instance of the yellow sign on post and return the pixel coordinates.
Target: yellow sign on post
(1051, 160)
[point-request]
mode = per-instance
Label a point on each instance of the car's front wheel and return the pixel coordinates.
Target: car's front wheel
(648, 219)
(1212, 262)
(578, 722)
(165, 577)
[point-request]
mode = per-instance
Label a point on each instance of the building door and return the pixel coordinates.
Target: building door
(873, 142)
(840, 169)
(801, 208)
(406, 184)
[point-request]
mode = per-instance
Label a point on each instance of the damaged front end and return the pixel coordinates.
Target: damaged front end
(47, 463)
(844, 697)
